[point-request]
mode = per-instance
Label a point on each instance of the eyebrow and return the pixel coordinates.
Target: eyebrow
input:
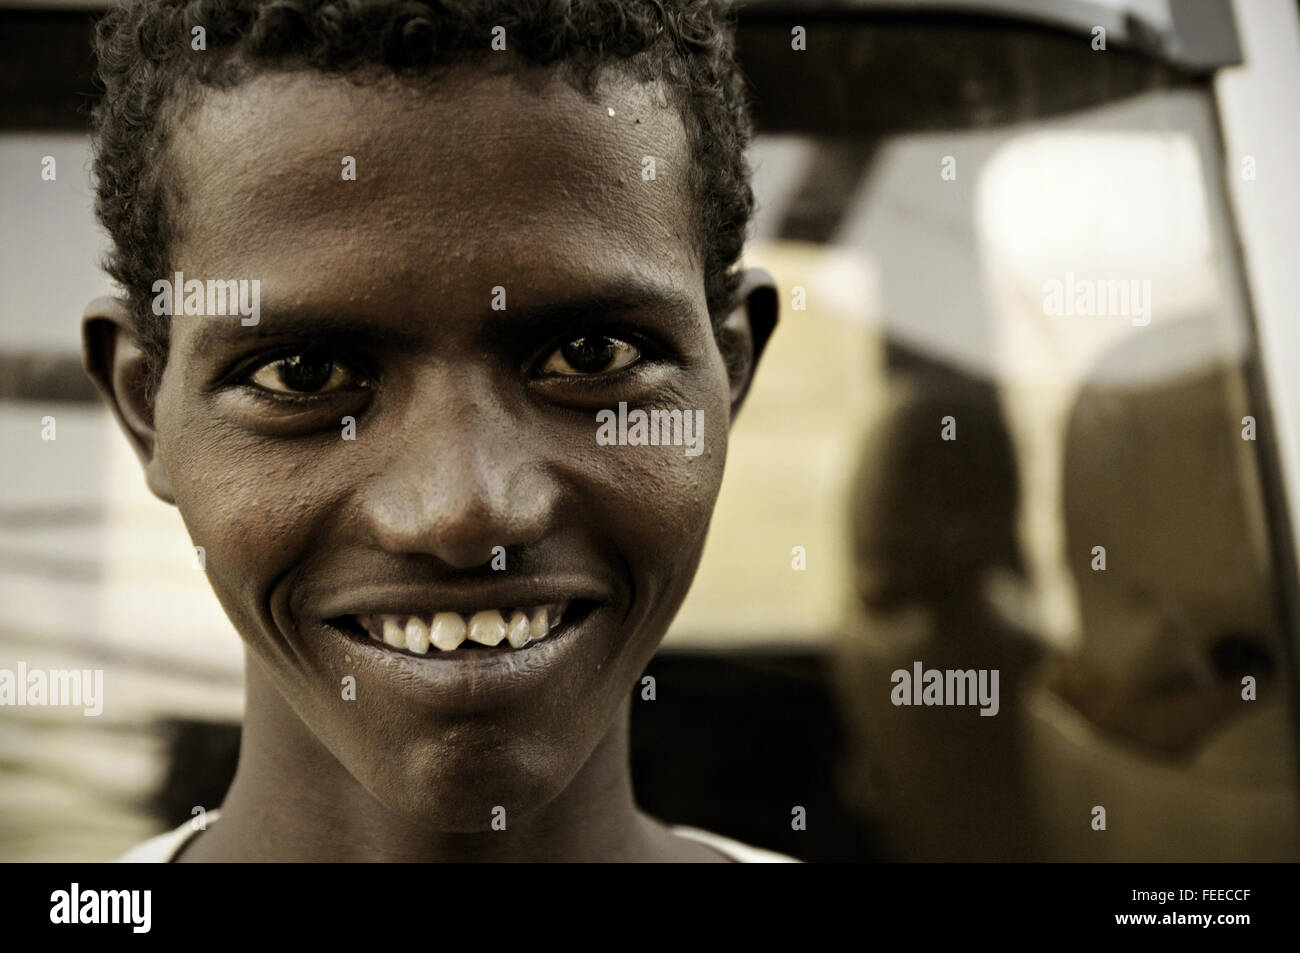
(621, 296)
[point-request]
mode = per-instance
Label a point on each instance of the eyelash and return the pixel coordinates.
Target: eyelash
(242, 376)
(649, 352)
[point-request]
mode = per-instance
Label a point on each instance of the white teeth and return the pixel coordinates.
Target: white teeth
(393, 633)
(519, 631)
(487, 627)
(541, 624)
(417, 636)
(448, 630)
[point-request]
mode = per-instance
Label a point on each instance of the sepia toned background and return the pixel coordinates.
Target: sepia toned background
(850, 538)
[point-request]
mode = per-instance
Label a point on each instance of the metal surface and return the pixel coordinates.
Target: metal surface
(1193, 35)
(1260, 122)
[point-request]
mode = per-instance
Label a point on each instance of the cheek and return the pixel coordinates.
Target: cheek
(660, 499)
(254, 507)
(663, 500)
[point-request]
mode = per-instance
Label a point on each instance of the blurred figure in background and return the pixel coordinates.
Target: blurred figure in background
(936, 559)
(1148, 718)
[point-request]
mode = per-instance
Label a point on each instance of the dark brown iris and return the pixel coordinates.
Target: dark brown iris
(589, 354)
(305, 372)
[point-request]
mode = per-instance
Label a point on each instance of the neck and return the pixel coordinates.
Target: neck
(292, 800)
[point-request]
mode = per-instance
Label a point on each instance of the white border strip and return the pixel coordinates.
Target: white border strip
(1259, 108)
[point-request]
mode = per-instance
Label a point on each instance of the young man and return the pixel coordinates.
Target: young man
(459, 240)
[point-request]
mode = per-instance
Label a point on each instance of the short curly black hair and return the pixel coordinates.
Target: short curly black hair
(150, 74)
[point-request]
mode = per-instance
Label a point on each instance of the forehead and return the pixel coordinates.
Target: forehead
(476, 177)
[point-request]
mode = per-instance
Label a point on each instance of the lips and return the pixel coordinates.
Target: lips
(339, 623)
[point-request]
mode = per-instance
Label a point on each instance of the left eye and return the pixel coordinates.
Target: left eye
(304, 373)
(591, 354)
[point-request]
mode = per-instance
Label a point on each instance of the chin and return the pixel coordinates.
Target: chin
(458, 787)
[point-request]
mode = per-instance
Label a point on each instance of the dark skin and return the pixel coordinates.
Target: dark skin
(470, 434)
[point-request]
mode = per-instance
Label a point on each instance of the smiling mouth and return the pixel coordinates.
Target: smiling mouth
(508, 629)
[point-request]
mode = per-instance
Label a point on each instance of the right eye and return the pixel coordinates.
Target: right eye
(304, 374)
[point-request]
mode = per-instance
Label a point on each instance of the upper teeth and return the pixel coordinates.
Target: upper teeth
(447, 630)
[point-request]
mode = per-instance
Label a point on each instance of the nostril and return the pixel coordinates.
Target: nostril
(1238, 654)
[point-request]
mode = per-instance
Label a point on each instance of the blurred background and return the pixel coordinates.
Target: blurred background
(923, 172)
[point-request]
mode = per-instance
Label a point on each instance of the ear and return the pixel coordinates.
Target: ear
(115, 362)
(746, 329)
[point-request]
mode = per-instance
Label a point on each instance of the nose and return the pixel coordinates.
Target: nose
(462, 479)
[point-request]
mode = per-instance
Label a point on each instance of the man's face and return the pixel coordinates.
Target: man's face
(475, 428)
